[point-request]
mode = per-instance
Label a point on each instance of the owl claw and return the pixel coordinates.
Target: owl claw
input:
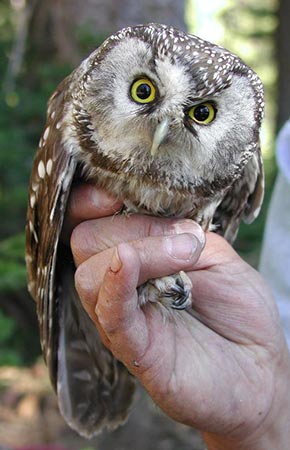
(181, 292)
(182, 302)
(180, 295)
(174, 291)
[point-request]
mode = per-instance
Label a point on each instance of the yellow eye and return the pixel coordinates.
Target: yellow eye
(143, 91)
(204, 113)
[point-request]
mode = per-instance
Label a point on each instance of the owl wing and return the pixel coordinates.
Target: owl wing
(242, 201)
(52, 175)
(93, 388)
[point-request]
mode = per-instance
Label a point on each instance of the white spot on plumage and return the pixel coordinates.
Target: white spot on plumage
(49, 166)
(41, 169)
(32, 200)
(31, 286)
(46, 133)
(34, 186)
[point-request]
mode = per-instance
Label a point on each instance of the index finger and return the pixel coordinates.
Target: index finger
(87, 202)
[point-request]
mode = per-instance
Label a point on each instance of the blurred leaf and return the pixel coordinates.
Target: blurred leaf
(8, 355)
(12, 266)
(7, 327)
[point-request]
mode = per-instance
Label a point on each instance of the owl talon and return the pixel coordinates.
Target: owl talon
(182, 297)
(181, 292)
(173, 292)
(183, 302)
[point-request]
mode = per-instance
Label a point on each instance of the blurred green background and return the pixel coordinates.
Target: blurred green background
(40, 43)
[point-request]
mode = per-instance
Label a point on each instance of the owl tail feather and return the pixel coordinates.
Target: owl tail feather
(94, 389)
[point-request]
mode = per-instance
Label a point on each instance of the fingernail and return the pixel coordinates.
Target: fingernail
(189, 226)
(116, 263)
(181, 246)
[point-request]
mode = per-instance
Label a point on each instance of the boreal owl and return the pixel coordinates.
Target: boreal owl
(169, 124)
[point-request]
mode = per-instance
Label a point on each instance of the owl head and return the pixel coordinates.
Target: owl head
(160, 101)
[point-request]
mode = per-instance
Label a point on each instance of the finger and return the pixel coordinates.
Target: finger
(117, 313)
(124, 326)
(159, 256)
(94, 236)
(87, 202)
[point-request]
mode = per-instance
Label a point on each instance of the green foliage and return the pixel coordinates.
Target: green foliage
(9, 354)
(22, 118)
(18, 346)
(250, 32)
(88, 41)
(12, 267)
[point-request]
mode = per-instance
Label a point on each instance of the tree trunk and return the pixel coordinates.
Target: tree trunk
(55, 24)
(107, 16)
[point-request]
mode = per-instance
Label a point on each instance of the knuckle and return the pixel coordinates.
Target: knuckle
(85, 285)
(80, 240)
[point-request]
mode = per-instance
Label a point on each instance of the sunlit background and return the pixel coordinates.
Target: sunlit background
(40, 43)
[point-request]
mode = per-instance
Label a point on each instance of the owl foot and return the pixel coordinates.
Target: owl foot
(172, 291)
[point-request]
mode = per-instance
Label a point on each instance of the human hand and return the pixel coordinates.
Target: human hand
(227, 373)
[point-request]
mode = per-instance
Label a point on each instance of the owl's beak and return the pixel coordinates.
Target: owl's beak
(159, 135)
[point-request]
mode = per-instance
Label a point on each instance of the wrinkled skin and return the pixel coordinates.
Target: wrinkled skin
(228, 373)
